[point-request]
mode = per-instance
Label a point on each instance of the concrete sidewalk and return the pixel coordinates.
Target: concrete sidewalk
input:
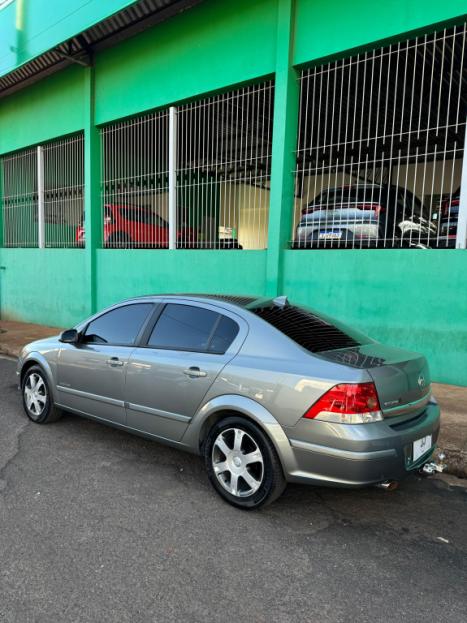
(452, 399)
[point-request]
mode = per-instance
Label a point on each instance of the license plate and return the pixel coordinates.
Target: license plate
(330, 235)
(420, 447)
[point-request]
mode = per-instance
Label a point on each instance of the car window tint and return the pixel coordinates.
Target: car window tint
(316, 333)
(137, 216)
(224, 335)
(183, 327)
(119, 326)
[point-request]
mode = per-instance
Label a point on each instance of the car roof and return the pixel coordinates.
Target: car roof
(243, 301)
(129, 206)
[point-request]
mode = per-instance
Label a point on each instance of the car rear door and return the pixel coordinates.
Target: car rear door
(170, 374)
(91, 374)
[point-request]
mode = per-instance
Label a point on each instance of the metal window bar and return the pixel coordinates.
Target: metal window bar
(134, 182)
(63, 192)
(20, 198)
(224, 168)
(380, 146)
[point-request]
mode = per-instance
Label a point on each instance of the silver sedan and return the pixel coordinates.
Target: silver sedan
(267, 391)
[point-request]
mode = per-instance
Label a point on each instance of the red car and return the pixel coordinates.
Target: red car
(137, 226)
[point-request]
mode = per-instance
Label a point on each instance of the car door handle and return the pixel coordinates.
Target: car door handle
(114, 361)
(194, 372)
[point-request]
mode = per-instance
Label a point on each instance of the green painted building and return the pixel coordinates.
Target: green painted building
(183, 145)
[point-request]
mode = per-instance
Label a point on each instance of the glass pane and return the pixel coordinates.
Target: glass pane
(119, 326)
(183, 327)
(225, 334)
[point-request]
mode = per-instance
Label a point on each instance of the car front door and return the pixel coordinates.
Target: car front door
(169, 376)
(91, 374)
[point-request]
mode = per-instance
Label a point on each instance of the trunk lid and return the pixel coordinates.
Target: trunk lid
(402, 378)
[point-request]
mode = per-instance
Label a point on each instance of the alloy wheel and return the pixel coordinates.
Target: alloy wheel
(35, 394)
(237, 462)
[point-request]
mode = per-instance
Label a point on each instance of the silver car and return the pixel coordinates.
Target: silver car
(367, 215)
(267, 391)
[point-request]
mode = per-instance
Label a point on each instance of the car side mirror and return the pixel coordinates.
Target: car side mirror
(70, 336)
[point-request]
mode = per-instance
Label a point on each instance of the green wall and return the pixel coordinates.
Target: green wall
(48, 109)
(211, 46)
(47, 286)
(409, 298)
(412, 298)
(125, 273)
(325, 28)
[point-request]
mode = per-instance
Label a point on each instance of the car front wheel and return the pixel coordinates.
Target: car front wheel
(37, 399)
(242, 464)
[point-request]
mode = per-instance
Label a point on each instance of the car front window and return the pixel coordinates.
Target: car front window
(118, 326)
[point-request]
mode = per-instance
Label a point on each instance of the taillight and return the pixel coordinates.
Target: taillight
(376, 207)
(446, 206)
(347, 403)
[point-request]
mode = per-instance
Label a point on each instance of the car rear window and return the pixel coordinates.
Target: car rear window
(348, 194)
(307, 329)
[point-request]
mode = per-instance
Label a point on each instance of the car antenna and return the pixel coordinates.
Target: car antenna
(280, 301)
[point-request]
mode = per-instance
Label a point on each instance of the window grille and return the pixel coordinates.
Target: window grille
(134, 176)
(380, 147)
(42, 197)
(20, 199)
(224, 167)
(63, 192)
(217, 151)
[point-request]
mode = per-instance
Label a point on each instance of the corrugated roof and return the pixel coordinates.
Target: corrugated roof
(79, 49)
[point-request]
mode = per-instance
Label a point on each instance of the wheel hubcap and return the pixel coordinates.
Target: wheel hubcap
(35, 394)
(238, 462)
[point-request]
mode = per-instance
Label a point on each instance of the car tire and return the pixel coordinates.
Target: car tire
(37, 397)
(245, 483)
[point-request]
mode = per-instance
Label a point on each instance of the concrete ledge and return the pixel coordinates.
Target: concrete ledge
(452, 399)
(453, 436)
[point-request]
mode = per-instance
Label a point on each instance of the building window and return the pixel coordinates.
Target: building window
(134, 177)
(221, 155)
(19, 199)
(380, 148)
(42, 196)
(63, 192)
(224, 167)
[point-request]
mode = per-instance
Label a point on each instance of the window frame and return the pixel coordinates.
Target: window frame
(144, 342)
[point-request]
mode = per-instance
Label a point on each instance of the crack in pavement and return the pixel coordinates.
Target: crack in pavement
(15, 453)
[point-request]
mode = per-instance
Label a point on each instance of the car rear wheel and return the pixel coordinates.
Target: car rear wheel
(37, 398)
(242, 464)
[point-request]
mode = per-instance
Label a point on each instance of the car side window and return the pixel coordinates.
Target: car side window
(118, 326)
(225, 333)
(185, 327)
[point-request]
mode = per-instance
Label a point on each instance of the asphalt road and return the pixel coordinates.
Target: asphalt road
(100, 526)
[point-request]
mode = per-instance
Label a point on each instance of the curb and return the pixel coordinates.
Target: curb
(455, 461)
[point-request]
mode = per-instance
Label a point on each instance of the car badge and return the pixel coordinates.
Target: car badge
(421, 381)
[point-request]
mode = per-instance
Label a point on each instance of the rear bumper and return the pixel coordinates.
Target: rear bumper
(359, 455)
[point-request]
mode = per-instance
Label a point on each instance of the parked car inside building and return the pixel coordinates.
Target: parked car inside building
(138, 226)
(368, 215)
(449, 216)
(267, 391)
